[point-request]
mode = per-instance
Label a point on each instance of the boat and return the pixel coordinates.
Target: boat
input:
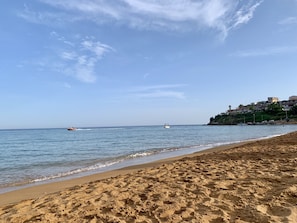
(71, 129)
(166, 126)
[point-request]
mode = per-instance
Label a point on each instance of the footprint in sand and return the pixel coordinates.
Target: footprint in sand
(279, 211)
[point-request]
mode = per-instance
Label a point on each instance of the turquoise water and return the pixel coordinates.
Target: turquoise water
(34, 156)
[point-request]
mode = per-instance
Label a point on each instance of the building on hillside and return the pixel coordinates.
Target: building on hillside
(290, 103)
(272, 99)
(261, 106)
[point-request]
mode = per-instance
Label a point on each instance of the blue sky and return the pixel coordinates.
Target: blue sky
(142, 62)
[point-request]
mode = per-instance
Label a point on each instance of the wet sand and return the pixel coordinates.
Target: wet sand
(247, 182)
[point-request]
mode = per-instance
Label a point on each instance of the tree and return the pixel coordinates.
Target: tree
(293, 110)
(274, 108)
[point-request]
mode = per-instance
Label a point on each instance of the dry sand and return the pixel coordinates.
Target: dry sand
(251, 182)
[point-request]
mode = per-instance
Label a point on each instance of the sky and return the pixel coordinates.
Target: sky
(141, 62)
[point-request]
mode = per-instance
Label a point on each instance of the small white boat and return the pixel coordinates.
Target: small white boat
(166, 126)
(71, 129)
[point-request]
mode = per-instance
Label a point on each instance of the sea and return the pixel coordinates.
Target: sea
(36, 156)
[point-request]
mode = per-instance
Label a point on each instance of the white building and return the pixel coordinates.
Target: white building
(272, 99)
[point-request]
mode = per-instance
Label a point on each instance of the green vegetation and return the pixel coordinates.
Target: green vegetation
(273, 114)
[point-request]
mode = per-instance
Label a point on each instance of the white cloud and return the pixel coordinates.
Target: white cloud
(245, 14)
(266, 51)
(154, 87)
(162, 94)
(67, 85)
(68, 55)
(49, 18)
(97, 48)
(77, 58)
(159, 91)
(288, 21)
(56, 36)
(189, 15)
(146, 75)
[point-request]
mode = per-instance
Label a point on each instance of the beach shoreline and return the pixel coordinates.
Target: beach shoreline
(32, 191)
(253, 181)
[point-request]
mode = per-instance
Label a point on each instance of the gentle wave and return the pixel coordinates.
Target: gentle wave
(191, 149)
(141, 154)
(73, 172)
(41, 155)
(107, 164)
(83, 129)
(121, 159)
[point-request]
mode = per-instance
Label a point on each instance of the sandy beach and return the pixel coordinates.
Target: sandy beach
(248, 182)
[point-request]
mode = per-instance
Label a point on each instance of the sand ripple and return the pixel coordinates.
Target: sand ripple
(256, 182)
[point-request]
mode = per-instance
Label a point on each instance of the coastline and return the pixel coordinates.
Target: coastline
(34, 191)
(85, 152)
(250, 181)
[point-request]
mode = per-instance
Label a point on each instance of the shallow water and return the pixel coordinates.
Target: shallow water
(38, 155)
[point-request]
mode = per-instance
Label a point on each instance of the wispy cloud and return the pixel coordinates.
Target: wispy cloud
(288, 21)
(270, 51)
(159, 91)
(185, 15)
(50, 18)
(245, 13)
(146, 75)
(162, 94)
(67, 85)
(77, 58)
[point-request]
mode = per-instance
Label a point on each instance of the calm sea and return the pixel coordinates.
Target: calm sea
(34, 156)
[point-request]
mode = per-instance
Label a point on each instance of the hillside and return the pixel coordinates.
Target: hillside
(279, 112)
